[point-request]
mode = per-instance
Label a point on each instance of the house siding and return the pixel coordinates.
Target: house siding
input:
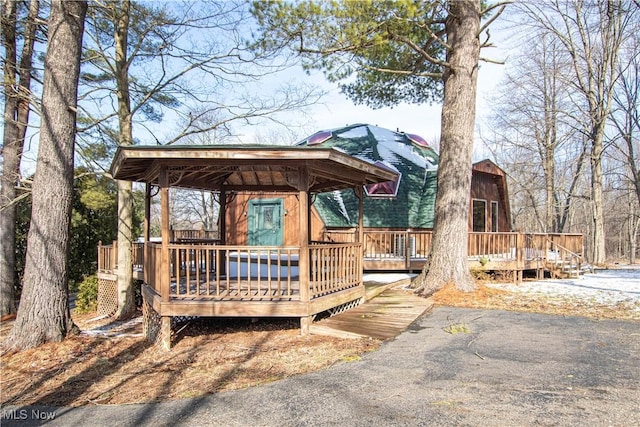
(484, 186)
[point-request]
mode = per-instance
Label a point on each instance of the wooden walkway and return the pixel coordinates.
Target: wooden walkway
(383, 317)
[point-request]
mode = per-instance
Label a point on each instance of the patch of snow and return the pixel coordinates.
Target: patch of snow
(604, 287)
(386, 277)
(343, 209)
(355, 132)
(116, 329)
(391, 148)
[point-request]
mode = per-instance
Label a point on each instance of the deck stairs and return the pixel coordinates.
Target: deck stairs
(563, 263)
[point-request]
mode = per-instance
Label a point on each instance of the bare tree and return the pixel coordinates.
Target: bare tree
(195, 208)
(592, 33)
(625, 142)
(44, 315)
(626, 114)
(17, 96)
(534, 135)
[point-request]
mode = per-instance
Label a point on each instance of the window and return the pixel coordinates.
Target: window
(319, 137)
(388, 189)
(479, 215)
(494, 217)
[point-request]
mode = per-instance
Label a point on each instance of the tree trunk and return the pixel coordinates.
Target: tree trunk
(11, 165)
(632, 229)
(43, 314)
(16, 118)
(448, 261)
(599, 255)
(126, 303)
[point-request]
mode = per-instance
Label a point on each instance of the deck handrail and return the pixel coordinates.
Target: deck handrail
(565, 254)
(334, 267)
(258, 272)
(407, 246)
(398, 248)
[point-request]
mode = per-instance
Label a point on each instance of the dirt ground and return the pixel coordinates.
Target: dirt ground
(211, 355)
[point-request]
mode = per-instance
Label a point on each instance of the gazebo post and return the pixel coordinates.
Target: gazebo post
(147, 230)
(360, 195)
(303, 241)
(222, 218)
(165, 269)
(220, 256)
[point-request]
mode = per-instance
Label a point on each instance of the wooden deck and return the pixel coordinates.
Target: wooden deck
(407, 250)
(383, 317)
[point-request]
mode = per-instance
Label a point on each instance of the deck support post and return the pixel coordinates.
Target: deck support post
(165, 333)
(155, 328)
(305, 325)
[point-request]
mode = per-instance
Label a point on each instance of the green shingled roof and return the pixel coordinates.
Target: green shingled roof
(416, 162)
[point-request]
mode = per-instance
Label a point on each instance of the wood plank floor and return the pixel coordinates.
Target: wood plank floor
(383, 317)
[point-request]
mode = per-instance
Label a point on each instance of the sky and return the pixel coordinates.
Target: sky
(423, 120)
(336, 110)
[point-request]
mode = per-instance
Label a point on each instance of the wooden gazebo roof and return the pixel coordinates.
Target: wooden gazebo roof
(246, 168)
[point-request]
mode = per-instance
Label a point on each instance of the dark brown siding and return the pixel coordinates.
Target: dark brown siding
(485, 187)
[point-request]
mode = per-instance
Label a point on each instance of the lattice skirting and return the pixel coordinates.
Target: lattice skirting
(107, 297)
(344, 307)
(152, 324)
(160, 330)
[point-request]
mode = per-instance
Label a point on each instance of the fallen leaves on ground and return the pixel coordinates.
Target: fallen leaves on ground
(210, 356)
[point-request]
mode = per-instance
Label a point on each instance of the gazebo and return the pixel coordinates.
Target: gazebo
(217, 279)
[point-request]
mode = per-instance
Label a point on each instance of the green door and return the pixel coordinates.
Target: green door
(265, 222)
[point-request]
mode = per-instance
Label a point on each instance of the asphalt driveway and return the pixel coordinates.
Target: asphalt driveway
(454, 367)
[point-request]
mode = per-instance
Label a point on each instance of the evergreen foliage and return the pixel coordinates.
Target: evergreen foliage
(382, 53)
(87, 299)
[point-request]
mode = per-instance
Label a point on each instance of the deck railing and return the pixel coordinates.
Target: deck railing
(217, 271)
(334, 267)
(504, 246)
(191, 235)
(496, 246)
(568, 241)
(340, 236)
(233, 271)
(108, 256)
(152, 265)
